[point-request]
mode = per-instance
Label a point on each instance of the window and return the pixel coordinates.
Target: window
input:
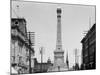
(16, 23)
(13, 59)
(20, 59)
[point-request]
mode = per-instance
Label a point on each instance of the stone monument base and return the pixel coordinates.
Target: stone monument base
(58, 68)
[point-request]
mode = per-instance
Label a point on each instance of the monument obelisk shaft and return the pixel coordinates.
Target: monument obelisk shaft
(58, 53)
(59, 64)
(59, 41)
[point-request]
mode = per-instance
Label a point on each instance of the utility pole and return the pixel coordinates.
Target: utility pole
(75, 55)
(31, 43)
(67, 62)
(41, 52)
(76, 59)
(29, 54)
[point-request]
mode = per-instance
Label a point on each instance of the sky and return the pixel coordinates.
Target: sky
(42, 19)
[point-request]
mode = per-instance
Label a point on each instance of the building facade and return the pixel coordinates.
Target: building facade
(89, 49)
(19, 45)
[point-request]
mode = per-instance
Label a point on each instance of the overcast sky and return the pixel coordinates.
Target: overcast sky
(42, 19)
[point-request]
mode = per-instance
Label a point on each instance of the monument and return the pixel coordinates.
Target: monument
(59, 64)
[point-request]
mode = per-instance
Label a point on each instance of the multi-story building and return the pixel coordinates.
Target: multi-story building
(20, 45)
(89, 49)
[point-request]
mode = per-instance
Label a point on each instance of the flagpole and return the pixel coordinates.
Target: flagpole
(41, 52)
